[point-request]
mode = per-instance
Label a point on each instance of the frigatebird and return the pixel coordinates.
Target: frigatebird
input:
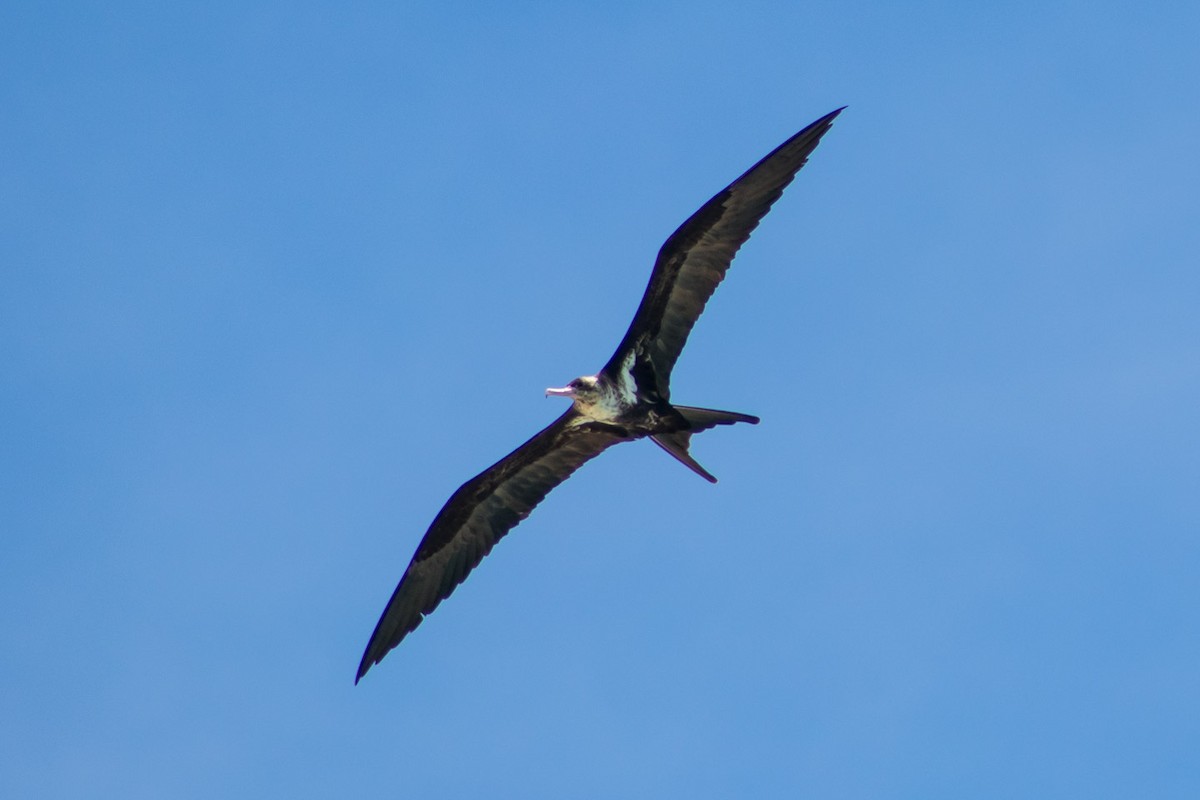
(628, 399)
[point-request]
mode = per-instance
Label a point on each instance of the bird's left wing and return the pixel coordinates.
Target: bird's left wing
(478, 515)
(695, 258)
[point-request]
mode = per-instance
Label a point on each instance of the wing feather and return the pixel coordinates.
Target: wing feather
(476, 516)
(695, 258)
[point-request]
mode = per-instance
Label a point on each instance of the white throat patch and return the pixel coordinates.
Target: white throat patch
(611, 401)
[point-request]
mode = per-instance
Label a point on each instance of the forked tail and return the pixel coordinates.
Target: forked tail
(700, 419)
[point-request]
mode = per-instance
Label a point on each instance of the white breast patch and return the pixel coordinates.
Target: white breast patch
(627, 385)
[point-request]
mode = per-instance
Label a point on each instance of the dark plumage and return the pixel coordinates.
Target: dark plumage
(628, 399)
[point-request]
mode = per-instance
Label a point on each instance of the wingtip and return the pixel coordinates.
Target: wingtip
(363, 667)
(828, 119)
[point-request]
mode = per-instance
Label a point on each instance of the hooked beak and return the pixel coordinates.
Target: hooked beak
(565, 391)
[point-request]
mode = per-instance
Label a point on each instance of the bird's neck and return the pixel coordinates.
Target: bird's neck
(611, 402)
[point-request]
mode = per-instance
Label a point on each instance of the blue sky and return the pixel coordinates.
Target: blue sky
(277, 278)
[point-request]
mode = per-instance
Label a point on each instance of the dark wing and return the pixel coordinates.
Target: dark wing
(477, 515)
(696, 256)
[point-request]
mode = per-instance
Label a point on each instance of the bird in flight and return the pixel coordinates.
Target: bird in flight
(628, 399)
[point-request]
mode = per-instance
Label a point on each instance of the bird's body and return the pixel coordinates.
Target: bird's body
(628, 399)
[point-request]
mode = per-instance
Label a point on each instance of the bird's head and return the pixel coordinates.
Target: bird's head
(585, 391)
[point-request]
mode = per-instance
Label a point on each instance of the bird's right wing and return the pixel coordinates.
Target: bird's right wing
(476, 516)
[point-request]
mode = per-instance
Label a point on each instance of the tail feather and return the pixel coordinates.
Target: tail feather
(677, 445)
(700, 419)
